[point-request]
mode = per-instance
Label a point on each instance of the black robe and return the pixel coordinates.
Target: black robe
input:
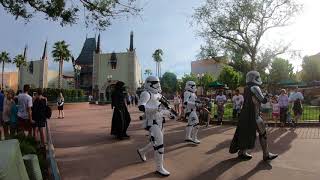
(245, 135)
(121, 117)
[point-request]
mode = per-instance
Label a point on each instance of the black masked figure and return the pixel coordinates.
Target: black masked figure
(121, 117)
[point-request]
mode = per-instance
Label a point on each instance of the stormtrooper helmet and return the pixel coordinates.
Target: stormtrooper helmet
(191, 86)
(253, 77)
(152, 84)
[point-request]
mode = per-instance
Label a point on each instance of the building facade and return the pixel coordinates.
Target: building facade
(35, 73)
(212, 66)
(10, 80)
(107, 69)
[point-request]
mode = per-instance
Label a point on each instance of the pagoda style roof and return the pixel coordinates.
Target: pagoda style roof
(86, 55)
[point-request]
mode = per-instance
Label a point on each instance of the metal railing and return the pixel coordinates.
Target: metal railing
(310, 113)
(54, 173)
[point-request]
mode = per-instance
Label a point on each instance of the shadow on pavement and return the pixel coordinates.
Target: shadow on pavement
(218, 169)
(262, 165)
(147, 176)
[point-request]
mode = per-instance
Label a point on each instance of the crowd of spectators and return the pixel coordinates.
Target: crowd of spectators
(23, 114)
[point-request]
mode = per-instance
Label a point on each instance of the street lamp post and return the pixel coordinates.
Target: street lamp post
(78, 70)
(109, 78)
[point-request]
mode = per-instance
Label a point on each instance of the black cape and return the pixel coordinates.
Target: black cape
(245, 135)
(121, 117)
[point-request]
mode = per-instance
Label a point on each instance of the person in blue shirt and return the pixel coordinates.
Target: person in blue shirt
(13, 117)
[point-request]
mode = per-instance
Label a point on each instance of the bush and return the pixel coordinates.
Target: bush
(69, 94)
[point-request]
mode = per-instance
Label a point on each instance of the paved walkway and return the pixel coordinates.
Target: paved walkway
(85, 150)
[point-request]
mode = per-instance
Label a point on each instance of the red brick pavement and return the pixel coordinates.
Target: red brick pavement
(85, 150)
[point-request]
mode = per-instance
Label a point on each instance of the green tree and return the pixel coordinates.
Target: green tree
(4, 58)
(243, 23)
(230, 77)
(157, 57)
(148, 72)
(61, 53)
(169, 82)
(205, 80)
(280, 70)
(98, 12)
(311, 68)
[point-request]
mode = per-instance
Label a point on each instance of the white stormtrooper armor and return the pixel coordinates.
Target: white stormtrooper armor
(190, 103)
(150, 104)
(254, 78)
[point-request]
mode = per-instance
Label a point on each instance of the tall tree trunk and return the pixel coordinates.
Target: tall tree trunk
(60, 75)
(2, 75)
(253, 62)
(160, 70)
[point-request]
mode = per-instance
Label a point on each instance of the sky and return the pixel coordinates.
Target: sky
(163, 24)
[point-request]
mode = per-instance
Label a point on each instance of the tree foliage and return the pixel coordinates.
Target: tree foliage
(98, 12)
(311, 68)
(169, 82)
(243, 23)
(61, 53)
(19, 60)
(205, 80)
(4, 58)
(230, 77)
(281, 70)
(157, 57)
(148, 72)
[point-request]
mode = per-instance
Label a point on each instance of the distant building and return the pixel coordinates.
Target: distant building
(100, 71)
(37, 75)
(213, 66)
(10, 80)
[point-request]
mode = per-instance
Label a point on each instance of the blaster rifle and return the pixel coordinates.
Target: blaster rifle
(166, 104)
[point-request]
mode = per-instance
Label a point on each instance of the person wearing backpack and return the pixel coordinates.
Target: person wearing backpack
(39, 114)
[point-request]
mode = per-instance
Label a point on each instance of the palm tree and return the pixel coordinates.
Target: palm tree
(158, 59)
(4, 58)
(19, 60)
(61, 53)
(148, 72)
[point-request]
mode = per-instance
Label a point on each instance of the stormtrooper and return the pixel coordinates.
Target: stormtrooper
(190, 104)
(155, 110)
(250, 121)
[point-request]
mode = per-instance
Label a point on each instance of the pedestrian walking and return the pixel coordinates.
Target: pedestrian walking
(237, 101)
(296, 98)
(7, 104)
(283, 101)
(39, 115)
(24, 111)
(221, 99)
(177, 102)
(60, 103)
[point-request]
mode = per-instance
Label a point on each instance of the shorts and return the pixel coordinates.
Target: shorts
(276, 114)
(40, 124)
(24, 124)
(60, 107)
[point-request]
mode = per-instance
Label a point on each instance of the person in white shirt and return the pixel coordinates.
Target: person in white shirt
(296, 98)
(237, 100)
(221, 99)
(177, 102)
(24, 111)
